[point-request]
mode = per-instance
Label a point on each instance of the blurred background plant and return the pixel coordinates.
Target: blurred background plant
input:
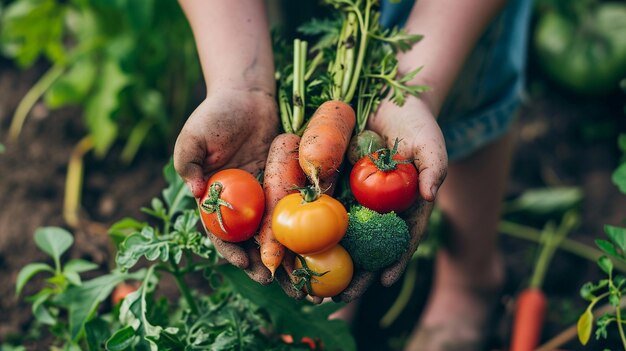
(131, 66)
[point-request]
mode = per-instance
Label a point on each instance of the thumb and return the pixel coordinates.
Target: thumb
(431, 161)
(188, 161)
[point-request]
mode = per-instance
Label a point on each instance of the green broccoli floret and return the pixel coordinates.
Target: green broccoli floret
(375, 240)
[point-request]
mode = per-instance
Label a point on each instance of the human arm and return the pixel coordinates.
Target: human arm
(234, 125)
(450, 30)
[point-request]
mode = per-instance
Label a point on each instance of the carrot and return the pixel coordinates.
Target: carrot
(282, 175)
(325, 140)
(530, 310)
(531, 303)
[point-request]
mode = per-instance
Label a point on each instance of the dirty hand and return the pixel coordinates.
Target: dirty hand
(421, 140)
(229, 129)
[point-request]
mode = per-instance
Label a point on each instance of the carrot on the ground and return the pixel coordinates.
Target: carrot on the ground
(325, 140)
(282, 175)
(530, 310)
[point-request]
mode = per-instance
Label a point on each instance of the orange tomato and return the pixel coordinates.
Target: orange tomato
(309, 227)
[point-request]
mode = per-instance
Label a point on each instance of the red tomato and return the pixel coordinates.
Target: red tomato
(122, 290)
(384, 185)
(233, 205)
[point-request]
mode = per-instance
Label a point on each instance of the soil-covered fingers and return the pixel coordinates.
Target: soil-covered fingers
(235, 254)
(417, 219)
(361, 281)
(285, 279)
(256, 270)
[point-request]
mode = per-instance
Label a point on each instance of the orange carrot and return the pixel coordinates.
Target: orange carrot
(325, 140)
(282, 175)
(530, 310)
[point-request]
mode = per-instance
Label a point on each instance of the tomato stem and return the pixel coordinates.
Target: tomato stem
(305, 275)
(214, 202)
(385, 162)
(309, 193)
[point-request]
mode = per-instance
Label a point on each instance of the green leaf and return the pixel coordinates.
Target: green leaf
(606, 265)
(177, 195)
(101, 107)
(97, 332)
(42, 315)
(297, 318)
(73, 277)
(608, 248)
(121, 339)
(28, 272)
(614, 298)
(585, 326)
(79, 266)
(543, 201)
(141, 13)
(82, 301)
(621, 140)
(31, 28)
(120, 230)
(54, 241)
(619, 177)
(74, 85)
(617, 236)
(2, 148)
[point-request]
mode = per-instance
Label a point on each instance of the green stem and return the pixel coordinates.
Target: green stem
(618, 313)
(553, 237)
(135, 139)
(364, 24)
(313, 65)
(184, 288)
(285, 111)
(523, 232)
(31, 97)
(74, 182)
(348, 58)
(299, 60)
(338, 67)
(408, 285)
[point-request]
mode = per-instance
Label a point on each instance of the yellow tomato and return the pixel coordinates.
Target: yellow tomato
(335, 268)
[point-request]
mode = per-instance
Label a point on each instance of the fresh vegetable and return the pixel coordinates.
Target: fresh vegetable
(326, 139)
(281, 177)
(122, 290)
(233, 205)
(530, 307)
(583, 49)
(529, 315)
(308, 222)
(384, 181)
(375, 240)
(363, 144)
(324, 274)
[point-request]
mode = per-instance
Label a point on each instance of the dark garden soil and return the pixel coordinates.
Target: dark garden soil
(563, 140)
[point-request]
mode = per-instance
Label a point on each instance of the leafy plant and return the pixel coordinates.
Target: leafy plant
(231, 312)
(613, 287)
(130, 65)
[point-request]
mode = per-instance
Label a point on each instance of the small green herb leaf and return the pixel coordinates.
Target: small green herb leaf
(619, 177)
(606, 265)
(617, 236)
(79, 266)
(608, 248)
(585, 326)
(97, 332)
(54, 241)
(28, 272)
(121, 340)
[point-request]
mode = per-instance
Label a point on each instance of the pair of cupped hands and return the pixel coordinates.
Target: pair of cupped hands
(234, 129)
